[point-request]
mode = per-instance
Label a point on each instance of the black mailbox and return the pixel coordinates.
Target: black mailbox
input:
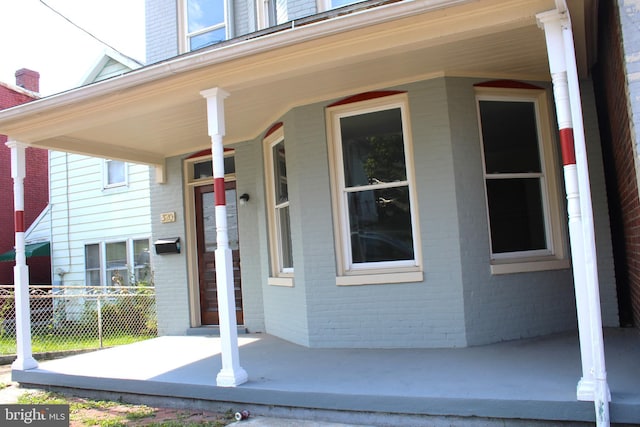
(167, 245)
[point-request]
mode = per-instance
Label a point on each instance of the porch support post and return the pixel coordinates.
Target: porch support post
(24, 358)
(231, 373)
(559, 36)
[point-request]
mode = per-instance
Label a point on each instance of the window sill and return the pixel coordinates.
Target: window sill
(281, 281)
(380, 279)
(530, 266)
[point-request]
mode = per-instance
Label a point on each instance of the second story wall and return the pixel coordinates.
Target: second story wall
(166, 21)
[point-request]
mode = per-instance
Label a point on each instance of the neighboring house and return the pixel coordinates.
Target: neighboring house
(618, 90)
(396, 173)
(26, 89)
(99, 215)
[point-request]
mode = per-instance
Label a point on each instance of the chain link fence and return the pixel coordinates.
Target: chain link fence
(66, 318)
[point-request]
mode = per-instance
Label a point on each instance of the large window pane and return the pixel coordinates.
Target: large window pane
(204, 13)
(207, 39)
(284, 224)
(516, 215)
(510, 137)
(92, 264)
(115, 172)
(373, 148)
(380, 225)
(141, 260)
(280, 173)
(116, 257)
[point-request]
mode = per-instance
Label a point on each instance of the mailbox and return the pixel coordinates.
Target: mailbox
(167, 245)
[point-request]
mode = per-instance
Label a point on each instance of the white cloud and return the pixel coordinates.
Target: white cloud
(33, 36)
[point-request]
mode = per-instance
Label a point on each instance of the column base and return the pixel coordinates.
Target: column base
(24, 363)
(231, 377)
(587, 390)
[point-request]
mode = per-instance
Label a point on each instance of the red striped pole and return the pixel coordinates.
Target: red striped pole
(231, 374)
(24, 358)
(559, 37)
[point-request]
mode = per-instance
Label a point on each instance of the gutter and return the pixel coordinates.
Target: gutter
(295, 32)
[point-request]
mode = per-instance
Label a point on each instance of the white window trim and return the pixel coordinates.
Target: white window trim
(555, 257)
(262, 14)
(376, 272)
(183, 25)
(279, 276)
(105, 175)
(102, 251)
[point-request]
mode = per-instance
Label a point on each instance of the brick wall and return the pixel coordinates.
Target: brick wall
(620, 159)
(36, 184)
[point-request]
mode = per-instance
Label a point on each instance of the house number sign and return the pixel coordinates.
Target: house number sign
(167, 217)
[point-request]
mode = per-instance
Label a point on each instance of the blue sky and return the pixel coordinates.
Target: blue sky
(33, 36)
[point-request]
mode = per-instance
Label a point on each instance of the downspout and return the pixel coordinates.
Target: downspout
(562, 64)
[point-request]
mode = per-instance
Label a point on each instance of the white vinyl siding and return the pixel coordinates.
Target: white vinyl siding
(82, 212)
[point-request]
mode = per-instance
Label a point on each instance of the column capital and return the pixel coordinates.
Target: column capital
(215, 110)
(13, 143)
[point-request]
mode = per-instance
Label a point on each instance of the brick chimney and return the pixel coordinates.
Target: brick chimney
(28, 79)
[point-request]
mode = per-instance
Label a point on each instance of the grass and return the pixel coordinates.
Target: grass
(54, 343)
(117, 414)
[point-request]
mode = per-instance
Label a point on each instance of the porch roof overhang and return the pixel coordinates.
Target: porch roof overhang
(157, 111)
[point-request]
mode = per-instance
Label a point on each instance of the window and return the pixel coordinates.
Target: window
(117, 263)
(278, 205)
(374, 199)
(520, 180)
(266, 14)
(114, 173)
(205, 22)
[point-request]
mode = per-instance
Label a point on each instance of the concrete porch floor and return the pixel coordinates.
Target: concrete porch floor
(526, 381)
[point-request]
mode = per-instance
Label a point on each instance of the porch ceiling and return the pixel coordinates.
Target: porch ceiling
(157, 111)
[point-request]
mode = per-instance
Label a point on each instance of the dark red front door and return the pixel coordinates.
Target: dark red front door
(206, 236)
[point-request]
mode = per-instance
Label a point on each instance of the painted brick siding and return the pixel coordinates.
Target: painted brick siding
(36, 189)
(170, 270)
(426, 314)
(252, 233)
(616, 103)
(511, 306)
(161, 22)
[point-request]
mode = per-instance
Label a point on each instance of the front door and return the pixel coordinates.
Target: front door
(206, 237)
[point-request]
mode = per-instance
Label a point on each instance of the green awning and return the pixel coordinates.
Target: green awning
(34, 249)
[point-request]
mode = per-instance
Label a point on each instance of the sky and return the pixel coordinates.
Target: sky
(35, 37)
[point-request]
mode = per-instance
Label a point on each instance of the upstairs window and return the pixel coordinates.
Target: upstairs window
(374, 200)
(523, 205)
(114, 173)
(205, 22)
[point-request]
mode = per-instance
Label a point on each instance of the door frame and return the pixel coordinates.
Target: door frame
(190, 243)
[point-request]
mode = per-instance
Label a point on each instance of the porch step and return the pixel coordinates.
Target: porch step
(212, 331)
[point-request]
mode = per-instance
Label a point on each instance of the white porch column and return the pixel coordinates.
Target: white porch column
(593, 385)
(24, 358)
(231, 373)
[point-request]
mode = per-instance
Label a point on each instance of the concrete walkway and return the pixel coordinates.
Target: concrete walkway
(529, 380)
